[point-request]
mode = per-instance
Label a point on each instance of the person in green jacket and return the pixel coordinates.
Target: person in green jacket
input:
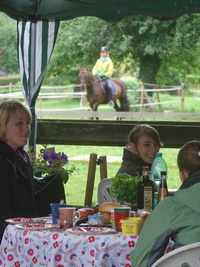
(176, 217)
(104, 69)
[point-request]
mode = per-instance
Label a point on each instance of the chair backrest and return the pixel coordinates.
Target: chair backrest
(103, 191)
(186, 256)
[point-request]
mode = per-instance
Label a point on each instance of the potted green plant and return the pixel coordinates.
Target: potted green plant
(125, 189)
(48, 163)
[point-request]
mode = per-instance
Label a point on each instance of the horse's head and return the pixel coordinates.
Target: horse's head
(84, 78)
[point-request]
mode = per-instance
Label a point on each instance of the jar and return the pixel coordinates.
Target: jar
(95, 219)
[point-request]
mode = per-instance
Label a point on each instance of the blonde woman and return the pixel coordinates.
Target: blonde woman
(17, 186)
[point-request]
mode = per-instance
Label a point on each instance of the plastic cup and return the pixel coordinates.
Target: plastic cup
(55, 212)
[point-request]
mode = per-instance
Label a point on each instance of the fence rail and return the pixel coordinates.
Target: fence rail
(81, 95)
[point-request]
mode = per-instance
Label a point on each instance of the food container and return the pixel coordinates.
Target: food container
(95, 219)
(131, 225)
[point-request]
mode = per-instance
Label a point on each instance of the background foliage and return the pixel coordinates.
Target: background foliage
(159, 51)
(8, 41)
(139, 44)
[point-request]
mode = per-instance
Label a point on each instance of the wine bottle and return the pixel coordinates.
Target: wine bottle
(163, 191)
(145, 191)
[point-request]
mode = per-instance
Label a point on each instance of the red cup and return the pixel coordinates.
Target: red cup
(120, 213)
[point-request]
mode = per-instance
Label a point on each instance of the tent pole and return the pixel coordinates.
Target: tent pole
(33, 55)
(32, 84)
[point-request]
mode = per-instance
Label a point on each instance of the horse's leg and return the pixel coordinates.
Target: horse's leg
(124, 103)
(94, 107)
(116, 107)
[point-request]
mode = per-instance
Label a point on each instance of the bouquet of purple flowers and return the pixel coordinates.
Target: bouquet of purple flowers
(51, 163)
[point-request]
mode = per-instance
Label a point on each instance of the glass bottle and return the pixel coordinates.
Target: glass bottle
(145, 191)
(163, 190)
(158, 165)
(155, 189)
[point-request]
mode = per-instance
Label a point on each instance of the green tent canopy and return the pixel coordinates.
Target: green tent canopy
(108, 10)
(38, 23)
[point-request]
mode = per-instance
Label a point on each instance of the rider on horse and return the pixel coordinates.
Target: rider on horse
(104, 69)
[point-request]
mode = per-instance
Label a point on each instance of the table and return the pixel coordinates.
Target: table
(58, 248)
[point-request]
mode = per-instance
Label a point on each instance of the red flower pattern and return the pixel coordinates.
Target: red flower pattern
(58, 257)
(34, 260)
(131, 244)
(30, 252)
(55, 236)
(55, 245)
(91, 239)
(26, 240)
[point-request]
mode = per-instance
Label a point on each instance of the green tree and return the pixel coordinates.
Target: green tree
(155, 42)
(135, 43)
(8, 41)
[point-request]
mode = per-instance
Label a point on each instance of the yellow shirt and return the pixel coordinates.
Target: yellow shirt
(103, 68)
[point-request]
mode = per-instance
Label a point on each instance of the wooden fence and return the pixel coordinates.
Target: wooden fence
(111, 133)
(145, 100)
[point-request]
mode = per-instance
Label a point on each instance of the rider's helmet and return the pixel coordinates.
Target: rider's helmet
(104, 49)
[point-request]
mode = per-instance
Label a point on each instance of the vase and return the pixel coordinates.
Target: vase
(50, 190)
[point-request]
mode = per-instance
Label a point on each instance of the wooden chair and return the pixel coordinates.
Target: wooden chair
(186, 256)
(102, 161)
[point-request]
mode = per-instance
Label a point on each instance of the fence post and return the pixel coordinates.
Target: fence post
(158, 97)
(90, 179)
(144, 95)
(182, 97)
(10, 89)
(141, 97)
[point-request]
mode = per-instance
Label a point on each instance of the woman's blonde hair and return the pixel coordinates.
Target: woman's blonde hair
(7, 108)
(188, 158)
(143, 129)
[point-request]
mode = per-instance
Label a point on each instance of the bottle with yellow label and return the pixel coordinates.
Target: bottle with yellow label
(163, 191)
(145, 191)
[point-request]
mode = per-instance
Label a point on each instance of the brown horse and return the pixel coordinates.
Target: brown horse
(95, 94)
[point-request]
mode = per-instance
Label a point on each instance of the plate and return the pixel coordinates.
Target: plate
(91, 230)
(94, 225)
(36, 226)
(26, 220)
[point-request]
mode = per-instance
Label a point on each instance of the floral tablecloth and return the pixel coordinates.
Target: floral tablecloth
(61, 249)
(54, 248)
